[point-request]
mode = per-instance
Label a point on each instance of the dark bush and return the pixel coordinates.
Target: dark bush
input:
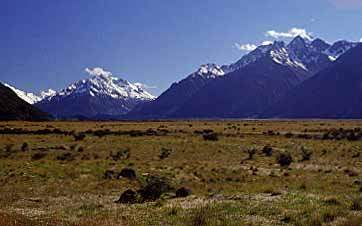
(128, 173)
(123, 154)
(289, 135)
(65, 157)
(210, 136)
(128, 197)
(38, 156)
(164, 153)
(183, 192)
(154, 188)
(79, 136)
(284, 159)
(267, 150)
(25, 147)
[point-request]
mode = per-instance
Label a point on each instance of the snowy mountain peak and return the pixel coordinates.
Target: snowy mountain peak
(209, 71)
(28, 97)
(47, 94)
(103, 83)
(303, 53)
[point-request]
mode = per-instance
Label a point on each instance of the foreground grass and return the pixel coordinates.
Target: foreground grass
(58, 179)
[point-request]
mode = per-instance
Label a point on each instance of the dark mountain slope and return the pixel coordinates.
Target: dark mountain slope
(178, 94)
(335, 92)
(244, 93)
(14, 108)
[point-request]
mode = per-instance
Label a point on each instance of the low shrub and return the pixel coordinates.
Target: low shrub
(210, 136)
(284, 159)
(306, 154)
(267, 150)
(154, 188)
(38, 156)
(25, 147)
(164, 153)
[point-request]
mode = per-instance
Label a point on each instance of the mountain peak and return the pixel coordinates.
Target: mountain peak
(320, 45)
(210, 71)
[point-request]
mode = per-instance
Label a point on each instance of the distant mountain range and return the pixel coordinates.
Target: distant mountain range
(101, 96)
(247, 88)
(305, 78)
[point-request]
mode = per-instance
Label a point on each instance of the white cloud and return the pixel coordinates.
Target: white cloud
(360, 40)
(144, 86)
(98, 71)
(293, 32)
(245, 47)
(266, 43)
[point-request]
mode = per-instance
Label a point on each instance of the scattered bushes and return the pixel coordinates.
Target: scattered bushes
(284, 159)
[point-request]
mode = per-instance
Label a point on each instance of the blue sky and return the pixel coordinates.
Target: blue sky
(48, 44)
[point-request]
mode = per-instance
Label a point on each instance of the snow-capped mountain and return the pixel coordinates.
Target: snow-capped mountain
(101, 95)
(301, 53)
(102, 83)
(31, 98)
(247, 87)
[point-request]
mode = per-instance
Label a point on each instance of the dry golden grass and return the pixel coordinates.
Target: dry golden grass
(37, 187)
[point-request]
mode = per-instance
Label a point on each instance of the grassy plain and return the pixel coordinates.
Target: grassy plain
(57, 178)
